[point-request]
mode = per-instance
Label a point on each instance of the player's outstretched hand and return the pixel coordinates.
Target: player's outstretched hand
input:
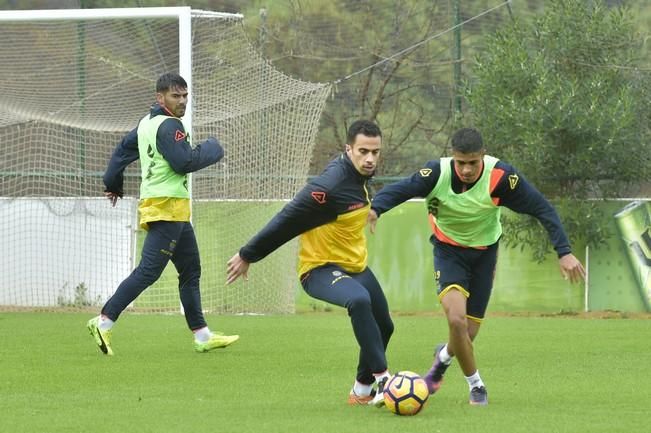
(113, 197)
(571, 268)
(371, 220)
(235, 267)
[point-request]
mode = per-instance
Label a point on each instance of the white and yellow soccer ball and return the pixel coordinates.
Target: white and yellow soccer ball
(405, 393)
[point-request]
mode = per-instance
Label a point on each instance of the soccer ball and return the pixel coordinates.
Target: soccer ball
(405, 393)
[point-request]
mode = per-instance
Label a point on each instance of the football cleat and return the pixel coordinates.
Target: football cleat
(102, 338)
(434, 377)
(217, 341)
(378, 399)
(354, 399)
(478, 396)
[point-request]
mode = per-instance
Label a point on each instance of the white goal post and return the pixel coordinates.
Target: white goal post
(74, 82)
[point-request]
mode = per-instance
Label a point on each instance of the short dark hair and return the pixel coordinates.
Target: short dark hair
(169, 81)
(364, 127)
(467, 140)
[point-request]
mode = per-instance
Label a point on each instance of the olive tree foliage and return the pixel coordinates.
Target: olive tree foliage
(562, 99)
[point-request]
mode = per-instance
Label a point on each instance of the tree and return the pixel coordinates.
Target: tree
(562, 99)
(408, 95)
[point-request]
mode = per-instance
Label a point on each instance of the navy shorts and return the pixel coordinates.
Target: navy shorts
(469, 270)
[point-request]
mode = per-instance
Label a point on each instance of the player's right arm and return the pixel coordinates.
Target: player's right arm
(124, 154)
(305, 212)
(418, 184)
(301, 214)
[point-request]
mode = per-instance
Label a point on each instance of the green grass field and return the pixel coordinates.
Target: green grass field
(293, 373)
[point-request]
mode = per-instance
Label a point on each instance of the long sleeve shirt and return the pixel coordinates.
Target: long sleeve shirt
(173, 143)
(508, 188)
(329, 213)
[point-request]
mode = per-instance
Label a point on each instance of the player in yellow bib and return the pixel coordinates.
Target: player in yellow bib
(463, 197)
(163, 145)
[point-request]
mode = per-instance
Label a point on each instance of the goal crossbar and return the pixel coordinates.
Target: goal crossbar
(110, 13)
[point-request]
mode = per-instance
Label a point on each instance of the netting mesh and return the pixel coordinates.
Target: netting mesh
(72, 88)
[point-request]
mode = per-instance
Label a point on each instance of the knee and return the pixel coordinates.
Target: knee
(458, 324)
(387, 328)
(190, 273)
(148, 275)
(360, 303)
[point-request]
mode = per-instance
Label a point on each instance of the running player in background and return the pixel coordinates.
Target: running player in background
(166, 155)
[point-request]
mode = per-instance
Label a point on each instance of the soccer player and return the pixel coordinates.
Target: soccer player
(166, 157)
(463, 196)
(330, 215)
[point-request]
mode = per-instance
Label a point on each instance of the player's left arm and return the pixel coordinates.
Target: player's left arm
(172, 143)
(419, 184)
(513, 191)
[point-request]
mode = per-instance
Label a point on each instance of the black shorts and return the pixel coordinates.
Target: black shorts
(469, 270)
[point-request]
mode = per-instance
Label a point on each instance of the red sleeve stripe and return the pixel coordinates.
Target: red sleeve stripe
(496, 176)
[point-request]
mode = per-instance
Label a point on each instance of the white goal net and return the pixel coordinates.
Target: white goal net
(73, 83)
